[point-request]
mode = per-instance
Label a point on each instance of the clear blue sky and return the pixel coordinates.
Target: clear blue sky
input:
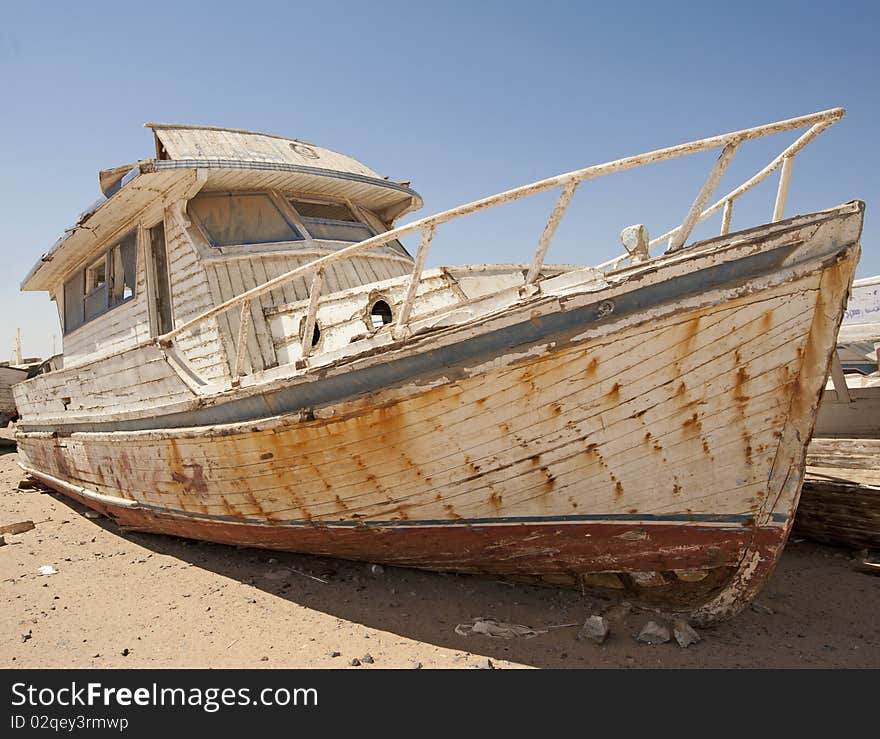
(462, 98)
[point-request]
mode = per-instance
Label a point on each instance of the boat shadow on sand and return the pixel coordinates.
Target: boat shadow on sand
(427, 606)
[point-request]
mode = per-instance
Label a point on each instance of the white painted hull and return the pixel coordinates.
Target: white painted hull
(658, 449)
(9, 376)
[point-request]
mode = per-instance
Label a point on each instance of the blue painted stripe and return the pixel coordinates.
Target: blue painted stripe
(733, 518)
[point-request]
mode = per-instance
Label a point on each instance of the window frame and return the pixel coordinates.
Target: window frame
(269, 194)
(359, 220)
(90, 267)
(83, 273)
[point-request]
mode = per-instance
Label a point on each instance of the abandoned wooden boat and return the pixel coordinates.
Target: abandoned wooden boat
(9, 376)
(840, 500)
(850, 406)
(251, 357)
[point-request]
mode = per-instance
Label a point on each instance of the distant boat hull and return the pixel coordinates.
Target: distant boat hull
(9, 376)
(648, 438)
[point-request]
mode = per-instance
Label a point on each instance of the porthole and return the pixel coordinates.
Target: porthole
(380, 314)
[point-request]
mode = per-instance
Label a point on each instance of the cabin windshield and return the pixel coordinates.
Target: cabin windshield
(331, 221)
(229, 220)
(249, 219)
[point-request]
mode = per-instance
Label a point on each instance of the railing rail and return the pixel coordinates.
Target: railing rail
(568, 183)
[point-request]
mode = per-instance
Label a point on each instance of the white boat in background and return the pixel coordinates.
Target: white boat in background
(850, 406)
(252, 358)
(9, 376)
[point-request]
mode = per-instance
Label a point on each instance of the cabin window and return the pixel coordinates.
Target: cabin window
(123, 263)
(73, 302)
(331, 221)
(96, 275)
(104, 283)
(230, 220)
(96, 289)
(375, 221)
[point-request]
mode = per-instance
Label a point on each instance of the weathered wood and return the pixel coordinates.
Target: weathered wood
(311, 312)
(682, 234)
(840, 501)
(599, 423)
(782, 191)
(244, 324)
(726, 216)
(549, 229)
(855, 412)
(646, 420)
(415, 278)
(9, 376)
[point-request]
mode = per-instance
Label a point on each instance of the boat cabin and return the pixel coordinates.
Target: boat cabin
(215, 213)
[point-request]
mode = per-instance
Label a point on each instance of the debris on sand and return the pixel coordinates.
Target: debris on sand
(484, 664)
(654, 633)
(490, 626)
(595, 629)
(29, 484)
(17, 528)
(367, 659)
(618, 612)
(47, 570)
(310, 576)
(868, 561)
(684, 633)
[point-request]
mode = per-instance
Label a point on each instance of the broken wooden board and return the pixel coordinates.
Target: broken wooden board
(17, 528)
(840, 500)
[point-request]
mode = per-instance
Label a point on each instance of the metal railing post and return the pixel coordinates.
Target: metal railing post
(782, 191)
(244, 323)
(312, 313)
(679, 238)
(725, 216)
(549, 229)
(409, 298)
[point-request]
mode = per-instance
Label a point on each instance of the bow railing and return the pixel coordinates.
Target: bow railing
(568, 182)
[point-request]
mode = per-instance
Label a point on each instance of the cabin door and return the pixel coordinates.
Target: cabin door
(161, 290)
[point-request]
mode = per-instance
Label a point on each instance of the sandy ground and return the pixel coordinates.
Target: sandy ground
(137, 600)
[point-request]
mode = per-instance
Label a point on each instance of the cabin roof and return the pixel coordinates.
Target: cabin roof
(174, 141)
(229, 159)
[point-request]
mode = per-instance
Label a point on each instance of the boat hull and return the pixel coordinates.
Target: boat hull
(9, 376)
(661, 455)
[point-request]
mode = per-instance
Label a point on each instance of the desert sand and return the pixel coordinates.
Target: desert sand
(132, 600)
